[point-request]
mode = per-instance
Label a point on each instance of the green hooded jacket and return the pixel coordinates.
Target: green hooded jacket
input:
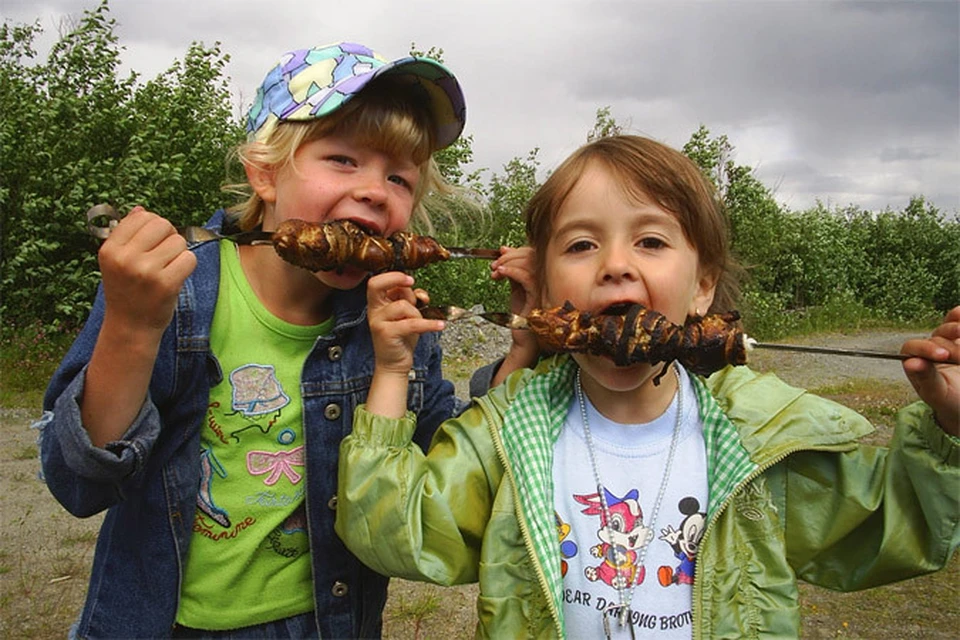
(792, 495)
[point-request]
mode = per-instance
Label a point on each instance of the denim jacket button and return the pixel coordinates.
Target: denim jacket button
(339, 589)
(331, 411)
(335, 352)
(332, 503)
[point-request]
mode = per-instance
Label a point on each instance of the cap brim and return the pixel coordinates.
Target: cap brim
(447, 103)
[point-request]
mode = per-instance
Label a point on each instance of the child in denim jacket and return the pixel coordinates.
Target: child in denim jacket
(204, 402)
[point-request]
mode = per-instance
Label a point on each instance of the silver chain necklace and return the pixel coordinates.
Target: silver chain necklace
(626, 596)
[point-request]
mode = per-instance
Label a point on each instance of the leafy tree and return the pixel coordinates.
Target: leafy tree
(756, 224)
(604, 125)
(467, 282)
(74, 133)
(907, 264)
(183, 134)
(61, 151)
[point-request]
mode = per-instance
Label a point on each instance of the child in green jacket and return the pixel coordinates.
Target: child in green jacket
(593, 499)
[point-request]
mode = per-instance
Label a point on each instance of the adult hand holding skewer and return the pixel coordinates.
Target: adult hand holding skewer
(934, 372)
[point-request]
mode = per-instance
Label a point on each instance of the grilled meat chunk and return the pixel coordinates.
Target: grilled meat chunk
(341, 243)
(702, 345)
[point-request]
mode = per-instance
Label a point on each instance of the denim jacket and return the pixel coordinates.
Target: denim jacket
(148, 480)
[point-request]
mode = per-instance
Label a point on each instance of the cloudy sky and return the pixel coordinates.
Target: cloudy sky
(846, 102)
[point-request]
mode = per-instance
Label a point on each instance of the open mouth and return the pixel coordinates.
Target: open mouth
(367, 228)
(616, 309)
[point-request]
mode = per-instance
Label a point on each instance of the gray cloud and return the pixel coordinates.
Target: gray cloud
(848, 102)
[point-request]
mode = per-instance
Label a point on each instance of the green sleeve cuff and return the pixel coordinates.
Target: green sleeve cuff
(947, 446)
(382, 431)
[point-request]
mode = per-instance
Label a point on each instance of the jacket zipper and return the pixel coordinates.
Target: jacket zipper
(521, 521)
(697, 585)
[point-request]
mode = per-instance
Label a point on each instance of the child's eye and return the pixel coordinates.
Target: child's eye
(400, 180)
(651, 243)
(344, 160)
(580, 246)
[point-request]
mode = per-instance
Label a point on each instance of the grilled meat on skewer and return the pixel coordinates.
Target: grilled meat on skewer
(702, 345)
(712, 342)
(341, 243)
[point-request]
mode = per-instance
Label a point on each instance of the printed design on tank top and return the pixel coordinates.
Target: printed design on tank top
(255, 393)
(284, 541)
(209, 465)
(256, 390)
(568, 548)
(277, 464)
(619, 549)
(685, 542)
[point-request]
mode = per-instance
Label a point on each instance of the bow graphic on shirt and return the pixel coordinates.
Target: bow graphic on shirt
(276, 464)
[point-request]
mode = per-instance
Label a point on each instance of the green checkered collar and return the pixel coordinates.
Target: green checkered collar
(532, 425)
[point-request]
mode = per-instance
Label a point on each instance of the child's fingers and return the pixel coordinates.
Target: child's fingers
(953, 316)
(935, 371)
(389, 280)
(950, 329)
(930, 351)
(942, 347)
(422, 298)
(385, 287)
(513, 256)
(140, 230)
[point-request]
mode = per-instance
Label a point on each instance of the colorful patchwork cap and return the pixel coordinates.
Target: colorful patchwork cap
(310, 83)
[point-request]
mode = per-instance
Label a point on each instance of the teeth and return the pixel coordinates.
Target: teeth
(366, 229)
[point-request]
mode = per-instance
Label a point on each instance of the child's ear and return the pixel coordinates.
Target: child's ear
(703, 297)
(263, 182)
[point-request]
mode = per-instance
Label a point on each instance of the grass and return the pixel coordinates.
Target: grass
(28, 358)
(764, 317)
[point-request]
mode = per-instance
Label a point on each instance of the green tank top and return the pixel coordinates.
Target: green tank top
(249, 558)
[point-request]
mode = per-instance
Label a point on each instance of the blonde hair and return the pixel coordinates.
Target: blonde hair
(386, 116)
(645, 169)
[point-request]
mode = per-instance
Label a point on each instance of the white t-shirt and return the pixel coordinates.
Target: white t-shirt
(631, 461)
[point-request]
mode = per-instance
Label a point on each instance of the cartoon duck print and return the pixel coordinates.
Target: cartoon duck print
(685, 542)
(621, 538)
(568, 548)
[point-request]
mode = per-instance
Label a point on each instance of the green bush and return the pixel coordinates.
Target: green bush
(73, 133)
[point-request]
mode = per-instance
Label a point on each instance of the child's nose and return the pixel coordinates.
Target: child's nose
(618, 264)
(371, 188)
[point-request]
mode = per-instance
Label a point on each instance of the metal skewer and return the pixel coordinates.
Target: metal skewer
(513, 321)
(450, 313)
(863, 353)
(464, 252)
(102, 218)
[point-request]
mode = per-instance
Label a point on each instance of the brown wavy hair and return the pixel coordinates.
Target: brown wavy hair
(646, 169)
